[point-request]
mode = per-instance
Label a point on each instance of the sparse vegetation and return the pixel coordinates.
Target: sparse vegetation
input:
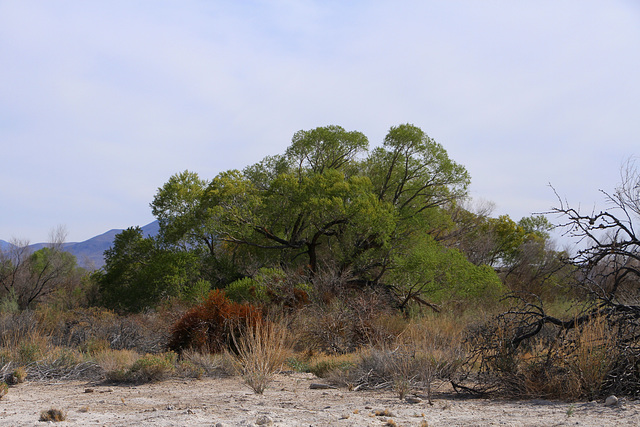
(366, 268)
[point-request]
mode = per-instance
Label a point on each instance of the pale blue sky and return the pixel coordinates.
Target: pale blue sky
(101, 102)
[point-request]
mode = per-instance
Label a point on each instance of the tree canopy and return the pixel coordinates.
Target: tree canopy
(326, 203)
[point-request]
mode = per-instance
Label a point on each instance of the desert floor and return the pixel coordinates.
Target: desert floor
(288, 402)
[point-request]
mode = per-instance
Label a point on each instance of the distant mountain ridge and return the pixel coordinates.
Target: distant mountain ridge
(90, 253)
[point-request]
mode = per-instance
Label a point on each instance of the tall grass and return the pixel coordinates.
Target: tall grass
(262, 350)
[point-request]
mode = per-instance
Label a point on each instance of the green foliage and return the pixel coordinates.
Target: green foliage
(151, 367)
(327, 203)
(437, 273)
(268, 285)
(138, 274)
(9, 303)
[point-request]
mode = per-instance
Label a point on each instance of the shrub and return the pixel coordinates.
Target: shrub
(149, 368)
(4, 389)
(115, 360)
(261, 352)
(210, 326)
(152, 368)
(345, 324)
(54, 415)
(574, 363)
(17, 376)
(270, 286)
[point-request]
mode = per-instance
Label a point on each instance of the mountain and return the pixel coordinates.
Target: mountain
(90, 253)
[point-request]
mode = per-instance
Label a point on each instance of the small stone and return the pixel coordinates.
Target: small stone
(611, 401)
(264, 421)
(89, 390)
(413, 399)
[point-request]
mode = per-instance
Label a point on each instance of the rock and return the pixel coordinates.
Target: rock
(413, 399)
(611, 401)
(264, 421)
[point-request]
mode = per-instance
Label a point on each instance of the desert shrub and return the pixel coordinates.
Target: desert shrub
(31, 348)
(188, 369)
(322, 365)
(346, 323)
(63, 363)
(210, 364)
(93, 328)
(53, 415)
(149, 368)
(518, 355)
(262, 351)
(270, 286)
(4, 389)
(426, 350)
(210, 325)
(18, 376)
(14, 327)
(402, 368)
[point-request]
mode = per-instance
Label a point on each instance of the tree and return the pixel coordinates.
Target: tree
(28, 276)
(177, 207)
(325, 203)
(139, 275)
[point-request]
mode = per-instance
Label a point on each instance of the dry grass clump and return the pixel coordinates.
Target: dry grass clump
(262, 350)
(145, 369)
(53, 415)
(210, 364)
(427, 349)
(114, 360)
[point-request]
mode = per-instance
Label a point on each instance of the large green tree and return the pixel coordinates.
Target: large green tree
(326, 203)
(138, 274)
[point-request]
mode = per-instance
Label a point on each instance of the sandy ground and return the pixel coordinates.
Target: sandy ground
(288, 402)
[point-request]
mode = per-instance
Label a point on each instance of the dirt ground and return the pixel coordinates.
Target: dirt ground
(288, 402)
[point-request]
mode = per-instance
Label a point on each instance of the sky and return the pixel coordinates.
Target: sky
(102, 102)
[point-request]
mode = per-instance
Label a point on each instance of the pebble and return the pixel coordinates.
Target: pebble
(611, 401)
(264, 421)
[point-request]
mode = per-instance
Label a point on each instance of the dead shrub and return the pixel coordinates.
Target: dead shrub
(418, 356)
(554, 363)
(210, 326)
(342, 325)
